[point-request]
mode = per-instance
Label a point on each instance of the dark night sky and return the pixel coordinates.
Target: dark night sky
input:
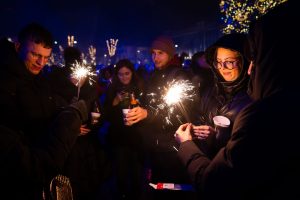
(134, 22)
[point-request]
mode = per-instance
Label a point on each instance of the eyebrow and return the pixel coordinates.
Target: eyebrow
(235, 58)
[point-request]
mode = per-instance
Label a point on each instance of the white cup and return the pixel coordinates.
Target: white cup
(95, 117)
(220, 122)
(125, 111)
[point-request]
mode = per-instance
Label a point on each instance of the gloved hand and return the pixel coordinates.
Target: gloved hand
(81, 108)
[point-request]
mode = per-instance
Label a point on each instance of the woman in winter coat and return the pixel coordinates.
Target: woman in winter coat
(229, 96)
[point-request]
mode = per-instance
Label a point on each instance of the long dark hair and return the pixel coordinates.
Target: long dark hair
(135, 80)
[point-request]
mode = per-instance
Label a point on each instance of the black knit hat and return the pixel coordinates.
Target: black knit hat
(164, 43)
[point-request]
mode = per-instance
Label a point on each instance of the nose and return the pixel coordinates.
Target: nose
(42, 61)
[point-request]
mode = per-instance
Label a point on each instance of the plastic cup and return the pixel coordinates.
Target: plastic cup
(95, 117)
(221, 124)
(125, 111)
(221, 121)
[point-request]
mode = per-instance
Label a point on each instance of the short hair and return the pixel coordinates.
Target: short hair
(36, 33)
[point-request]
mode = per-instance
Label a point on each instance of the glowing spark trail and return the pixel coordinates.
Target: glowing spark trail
(81, 72)
(174, 95)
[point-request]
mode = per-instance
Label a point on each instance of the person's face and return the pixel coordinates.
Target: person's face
(160, 58)
(124, 75)
(35, 56)
(231, 58)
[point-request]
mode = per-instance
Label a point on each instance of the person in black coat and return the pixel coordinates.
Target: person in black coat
(87, 166)
(261, 158)
(30, 108)
(229, 64)
(125, 141)
(158, 124)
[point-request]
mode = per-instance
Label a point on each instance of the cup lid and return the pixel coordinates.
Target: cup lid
(221, 121)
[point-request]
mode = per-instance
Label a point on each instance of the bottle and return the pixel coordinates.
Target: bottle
(133, 101)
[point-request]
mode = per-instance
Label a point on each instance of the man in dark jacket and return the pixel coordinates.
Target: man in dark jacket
(261, 159)
(28, 106)
(159, 124)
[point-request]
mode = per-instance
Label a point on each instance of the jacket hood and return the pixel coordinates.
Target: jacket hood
(276, 66)
(237, 42)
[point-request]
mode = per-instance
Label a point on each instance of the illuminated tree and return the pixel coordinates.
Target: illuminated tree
(237, 14)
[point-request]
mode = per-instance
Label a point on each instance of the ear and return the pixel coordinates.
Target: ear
(250, 68)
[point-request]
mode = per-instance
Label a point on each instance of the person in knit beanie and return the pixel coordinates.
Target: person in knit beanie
(164, 43)
(162, 51)
(156, 128)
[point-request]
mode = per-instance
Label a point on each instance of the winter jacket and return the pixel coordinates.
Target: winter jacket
(227, 98)
(29, 107)
(261, 159)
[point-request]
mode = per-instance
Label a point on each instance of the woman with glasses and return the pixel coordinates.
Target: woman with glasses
(229, 95)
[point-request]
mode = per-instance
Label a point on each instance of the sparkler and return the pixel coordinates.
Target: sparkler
(80, 72)
(176, 92)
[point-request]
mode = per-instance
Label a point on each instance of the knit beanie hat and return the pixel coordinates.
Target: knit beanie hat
(164, 43)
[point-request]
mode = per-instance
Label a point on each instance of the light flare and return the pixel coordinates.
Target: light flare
(81, 72)
(175, 94)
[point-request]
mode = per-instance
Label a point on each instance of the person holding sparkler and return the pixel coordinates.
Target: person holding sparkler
(261, 158)
(30, 109)
(87, 165)
(165, 109)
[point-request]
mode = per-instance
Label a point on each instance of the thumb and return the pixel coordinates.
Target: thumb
(189, 127)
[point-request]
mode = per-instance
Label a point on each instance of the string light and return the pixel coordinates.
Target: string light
(112, 46)
(237, 14)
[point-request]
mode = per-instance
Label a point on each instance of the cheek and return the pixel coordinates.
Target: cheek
(235, 74)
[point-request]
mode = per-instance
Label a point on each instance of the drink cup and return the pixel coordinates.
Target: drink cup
(221, 124)
(125, 111)
(95, 117)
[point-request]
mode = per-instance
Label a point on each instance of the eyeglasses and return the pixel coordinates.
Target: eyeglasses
(226, 64)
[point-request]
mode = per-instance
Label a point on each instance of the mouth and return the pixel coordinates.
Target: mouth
(36, 68)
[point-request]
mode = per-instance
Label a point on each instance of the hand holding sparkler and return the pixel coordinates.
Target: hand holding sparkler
(183, 133)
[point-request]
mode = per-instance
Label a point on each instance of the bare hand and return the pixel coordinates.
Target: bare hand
(202, 132)
(183, 133)
(84, 130)
(135, 115)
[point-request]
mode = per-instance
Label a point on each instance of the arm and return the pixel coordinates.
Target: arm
(21, 160)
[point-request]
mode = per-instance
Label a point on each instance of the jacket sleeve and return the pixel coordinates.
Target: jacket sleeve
(217, 177)
(21, 160)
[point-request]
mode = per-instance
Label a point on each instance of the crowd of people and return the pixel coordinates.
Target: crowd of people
(154, 150)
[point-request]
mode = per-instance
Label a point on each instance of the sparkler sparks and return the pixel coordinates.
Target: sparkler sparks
(81, 72)
(174, 96)
(178, 91)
